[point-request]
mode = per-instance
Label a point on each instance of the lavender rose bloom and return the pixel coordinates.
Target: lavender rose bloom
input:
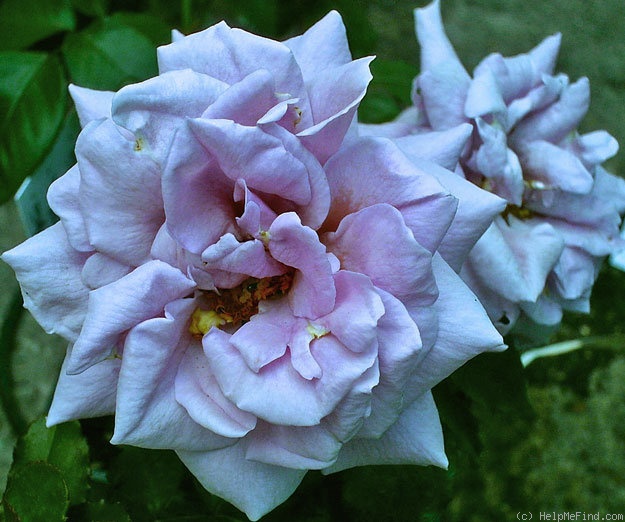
(244, 280)
(542, 254)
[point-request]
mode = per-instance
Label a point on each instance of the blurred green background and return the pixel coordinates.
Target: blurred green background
(548, 438)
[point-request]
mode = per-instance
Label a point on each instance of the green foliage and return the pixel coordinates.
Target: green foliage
(36, 492)
(25, 23)
(32, 106)
(109, 54)
(63, 447)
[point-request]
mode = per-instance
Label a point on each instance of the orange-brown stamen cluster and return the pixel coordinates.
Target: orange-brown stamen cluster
(237, 305)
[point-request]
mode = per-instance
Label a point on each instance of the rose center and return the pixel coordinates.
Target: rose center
(237, 305)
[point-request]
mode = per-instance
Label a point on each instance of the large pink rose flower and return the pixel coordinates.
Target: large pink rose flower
(543, 253)
(244, 280)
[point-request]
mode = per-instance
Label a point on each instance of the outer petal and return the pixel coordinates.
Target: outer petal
(322, 46)
(100, 270)
(117, 307)
(298, 447)
(416, 438)
(399, 351)
(121, 199)
(90, 104)
(440, 147)
(64, 202)
(152, 110)
(435, 46)
(148, 414)
(515, 259)
(48, 270)
(464, 331)
(253, 487)
(230, 55)
(89, 394)
(375, 171)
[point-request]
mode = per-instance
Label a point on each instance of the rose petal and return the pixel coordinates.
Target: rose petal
(89, 394)
(119, 306)
(253, 487)
(48, 270)
(120, 200)
(91, 104)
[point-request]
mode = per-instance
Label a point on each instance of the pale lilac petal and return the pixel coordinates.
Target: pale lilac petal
(297, 447)
(349, 415)
(435, 46)
(484, 96)
(334, 97)
(253, 487)
(354, 319)
(362, 243)
(257, 216)
(416, 438)
(595, 147)
(315, 211)
(278, 393)
(545, 54)
(147, 413)
(196, 195)
(247, 101)
(312, 294)
(555, 167)
(119, 306)
(230, 55)
(276, 323)
(536, 99)
(249, 257)
(403, 125)
(444, 94)
(374, 170)
(500, 165)
(464, 331)
(556, 121)
(91, 104)
(64, 202)
(120, 200)
(89, 394)
(440, 147)
(524, 255)
(152, 110)
(48, 270)
(322, 46)
(476, 210)
(250, 154)
(399, 351)
(100, 270)
(543, 311)
(574, 274)
(198, 392)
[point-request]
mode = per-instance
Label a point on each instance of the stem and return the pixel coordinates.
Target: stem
(605, 341)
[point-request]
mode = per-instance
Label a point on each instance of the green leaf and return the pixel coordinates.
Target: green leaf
(152, 27)
(33, 100)
(97, 8)
(101, 512)
(31, 198)
(108, 55)
(63, 447)
(24, 23)
(147, 480)
(36, 492)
